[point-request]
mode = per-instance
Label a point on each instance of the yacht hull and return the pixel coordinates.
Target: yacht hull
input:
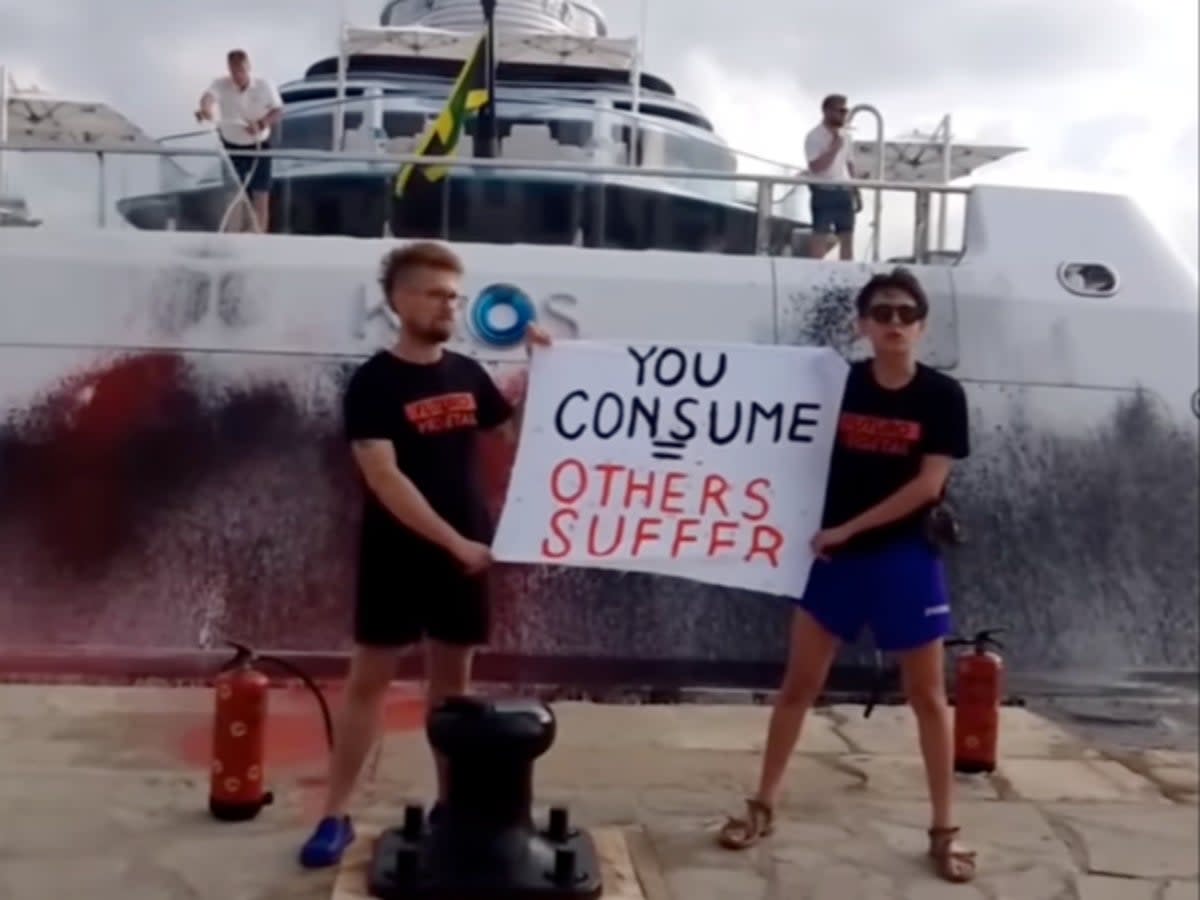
(171, 467)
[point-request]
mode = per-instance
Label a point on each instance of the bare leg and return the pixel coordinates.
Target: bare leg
(819, 245)
(238, 218)
(846, 246)
(245, 216)
(371, 671)
(231, 213)
(924, 686)
(811, 652)
(448, 671)
(262, 211)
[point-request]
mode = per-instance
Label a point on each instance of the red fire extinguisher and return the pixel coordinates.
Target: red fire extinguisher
(237, 784)
(978, 691)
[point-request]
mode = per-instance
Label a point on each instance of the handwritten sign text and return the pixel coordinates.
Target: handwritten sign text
(705, 462)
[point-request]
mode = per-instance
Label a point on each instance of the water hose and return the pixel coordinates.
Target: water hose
(242, 195)
(247, 655)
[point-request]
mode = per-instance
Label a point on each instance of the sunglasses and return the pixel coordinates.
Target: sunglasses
(886, 313)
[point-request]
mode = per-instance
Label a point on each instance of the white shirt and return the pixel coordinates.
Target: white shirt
(238, 108)
(817, 143)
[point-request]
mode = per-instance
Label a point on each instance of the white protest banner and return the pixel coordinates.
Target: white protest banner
(702, 461)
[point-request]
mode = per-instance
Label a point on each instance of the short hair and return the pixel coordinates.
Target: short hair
(400, 261)
(833, 100)
(899, 279)
(233, 57)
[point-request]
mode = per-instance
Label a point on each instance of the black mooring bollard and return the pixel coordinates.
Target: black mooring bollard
(484, 844)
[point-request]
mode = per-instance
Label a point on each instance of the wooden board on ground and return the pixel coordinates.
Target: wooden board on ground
(617, 870)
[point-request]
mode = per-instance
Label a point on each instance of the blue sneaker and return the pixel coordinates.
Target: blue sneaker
(327, 843)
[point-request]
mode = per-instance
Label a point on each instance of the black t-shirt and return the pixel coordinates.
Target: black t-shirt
(432, 413)
(882, 436)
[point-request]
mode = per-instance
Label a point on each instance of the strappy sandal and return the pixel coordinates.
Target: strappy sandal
(741, 834)
(952, 863)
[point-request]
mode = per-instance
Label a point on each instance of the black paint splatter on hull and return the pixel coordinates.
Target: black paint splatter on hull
(161, 503)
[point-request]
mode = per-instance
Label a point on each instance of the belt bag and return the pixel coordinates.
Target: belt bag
(942, 526)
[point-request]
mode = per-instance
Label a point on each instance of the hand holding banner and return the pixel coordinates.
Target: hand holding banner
(702, 461)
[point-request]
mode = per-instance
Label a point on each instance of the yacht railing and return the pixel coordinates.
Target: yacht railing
(553, 110)
(880, 143)
(372, 103)
(766, 222)
(465, 15)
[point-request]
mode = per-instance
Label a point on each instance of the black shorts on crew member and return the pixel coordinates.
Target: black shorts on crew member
(253, 172)
(400, 603)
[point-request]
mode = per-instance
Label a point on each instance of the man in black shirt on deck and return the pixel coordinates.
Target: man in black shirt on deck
(902, 425)
(412, 416)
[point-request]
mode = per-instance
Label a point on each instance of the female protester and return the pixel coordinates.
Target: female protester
(901, 426)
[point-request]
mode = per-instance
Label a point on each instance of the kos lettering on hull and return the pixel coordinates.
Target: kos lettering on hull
(496, 316)
(499, 315)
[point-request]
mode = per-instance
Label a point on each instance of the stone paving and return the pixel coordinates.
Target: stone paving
(104, 795)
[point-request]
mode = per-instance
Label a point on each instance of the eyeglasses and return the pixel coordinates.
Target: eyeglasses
(886, 313)
(443, 295)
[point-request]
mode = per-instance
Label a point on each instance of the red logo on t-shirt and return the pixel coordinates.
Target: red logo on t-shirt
(445, 412)
(872, 434)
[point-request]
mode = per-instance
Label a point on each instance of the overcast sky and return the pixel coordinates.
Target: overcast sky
(1102, 92)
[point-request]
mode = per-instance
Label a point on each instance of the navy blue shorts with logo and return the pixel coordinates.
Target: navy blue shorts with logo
(898, 589)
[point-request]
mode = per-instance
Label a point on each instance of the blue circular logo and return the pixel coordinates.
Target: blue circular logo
(500, 315)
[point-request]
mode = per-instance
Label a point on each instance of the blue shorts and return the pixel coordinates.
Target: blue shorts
(899, 589)
(832, 209)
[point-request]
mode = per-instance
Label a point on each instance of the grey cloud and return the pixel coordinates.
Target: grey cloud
(151, 58)
(1086, 144)
(1186, 151)
(996, 131)
(26, 18)
(869, 47)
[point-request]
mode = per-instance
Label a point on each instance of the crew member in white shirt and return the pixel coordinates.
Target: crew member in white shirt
(249, 109)
(833, 206)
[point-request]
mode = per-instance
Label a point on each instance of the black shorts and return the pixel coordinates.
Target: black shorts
(832, 209)
(405, 597)
(254, 172)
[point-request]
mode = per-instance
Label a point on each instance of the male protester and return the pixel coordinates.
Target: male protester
(833, 206)
(250, 107)
(412, 416)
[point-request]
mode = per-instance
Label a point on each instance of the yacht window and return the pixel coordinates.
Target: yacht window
(665, 112)
(686, 152)
(404, 124)
(676, 151)
(564, 132)
(315, 131)
(571, 133)
(505, 124)
(305, 95)
(1088, 279)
